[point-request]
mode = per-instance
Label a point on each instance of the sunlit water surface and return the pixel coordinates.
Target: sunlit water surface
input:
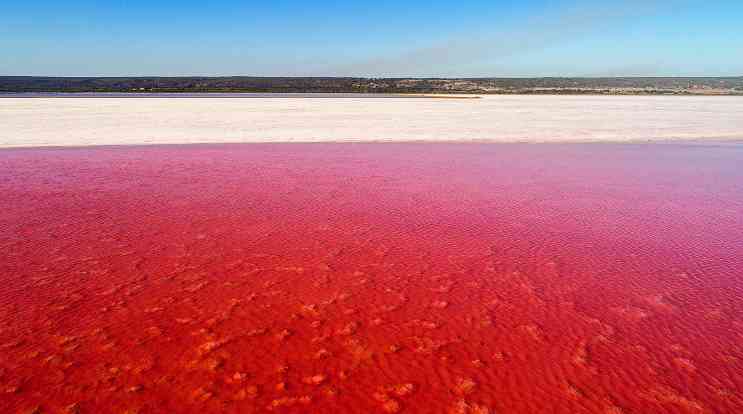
(355, 278)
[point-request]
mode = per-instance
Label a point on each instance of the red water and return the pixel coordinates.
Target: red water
(342, 278)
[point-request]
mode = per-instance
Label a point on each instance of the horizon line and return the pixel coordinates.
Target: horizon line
(377, 77)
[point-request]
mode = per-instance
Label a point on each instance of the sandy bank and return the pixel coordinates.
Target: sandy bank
(75, 121)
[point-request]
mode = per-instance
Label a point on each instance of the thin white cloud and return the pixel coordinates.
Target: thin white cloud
(533, 34)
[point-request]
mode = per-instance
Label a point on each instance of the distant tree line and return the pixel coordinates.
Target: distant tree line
(626, 85)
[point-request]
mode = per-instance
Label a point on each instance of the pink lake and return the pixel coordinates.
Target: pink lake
(361, 278)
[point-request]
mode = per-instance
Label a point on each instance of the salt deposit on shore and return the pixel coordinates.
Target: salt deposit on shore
(75, 121)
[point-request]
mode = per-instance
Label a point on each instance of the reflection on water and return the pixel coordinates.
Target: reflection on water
(372, 278)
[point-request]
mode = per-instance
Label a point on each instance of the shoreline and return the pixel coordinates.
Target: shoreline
(228, 95)
(695, 142)
(372, 95)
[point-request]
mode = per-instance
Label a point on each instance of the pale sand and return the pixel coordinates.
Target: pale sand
(103, 121)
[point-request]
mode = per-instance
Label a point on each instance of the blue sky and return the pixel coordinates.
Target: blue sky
(372, 38)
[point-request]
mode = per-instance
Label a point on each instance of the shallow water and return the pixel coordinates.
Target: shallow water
(353, 278)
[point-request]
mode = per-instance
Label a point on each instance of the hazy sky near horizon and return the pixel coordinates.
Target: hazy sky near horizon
(372, 38)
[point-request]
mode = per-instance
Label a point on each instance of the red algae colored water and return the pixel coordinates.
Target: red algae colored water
(362, 278)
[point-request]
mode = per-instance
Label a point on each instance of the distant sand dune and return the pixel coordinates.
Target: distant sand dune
(103, 121)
